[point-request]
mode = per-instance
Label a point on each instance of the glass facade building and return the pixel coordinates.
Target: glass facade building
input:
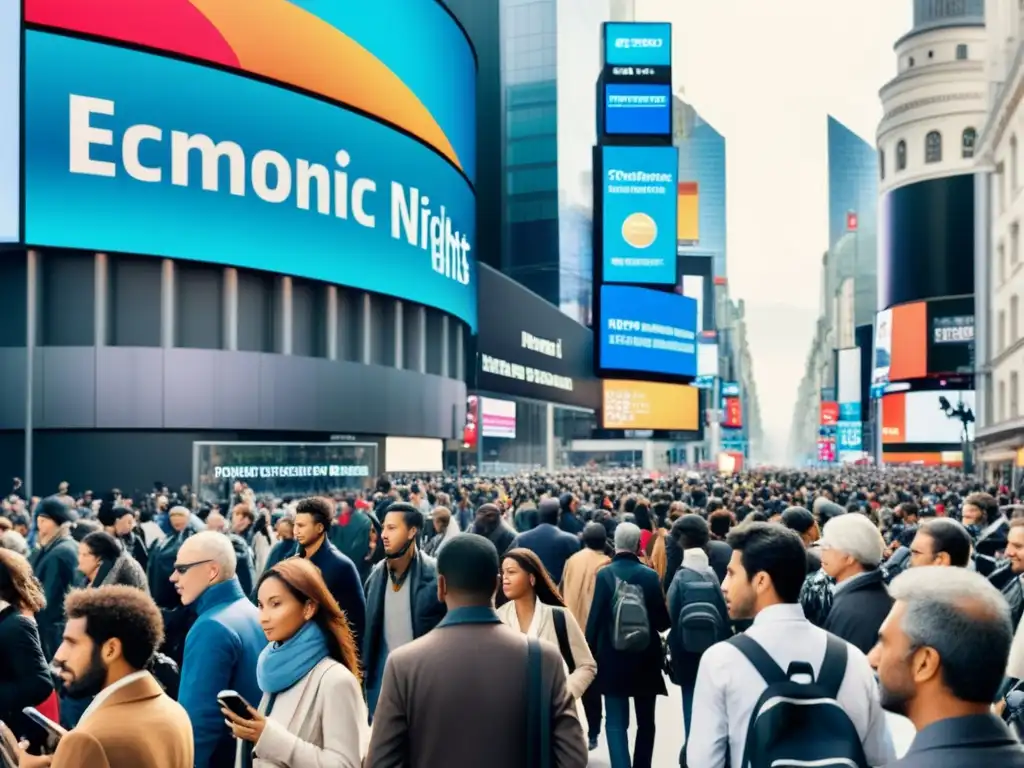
(550, 62)
(852, 217)
(702, 162)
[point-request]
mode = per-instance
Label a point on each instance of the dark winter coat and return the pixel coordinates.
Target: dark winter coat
(56, 567)
(858, 610)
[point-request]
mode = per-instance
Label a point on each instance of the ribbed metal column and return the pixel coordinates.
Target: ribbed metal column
(230, 319)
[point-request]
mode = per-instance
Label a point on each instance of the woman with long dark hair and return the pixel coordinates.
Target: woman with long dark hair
(25, 677)
(103, 560)
(535, 608)
(312, 713)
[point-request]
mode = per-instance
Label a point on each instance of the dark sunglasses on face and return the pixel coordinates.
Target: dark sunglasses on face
(184, 568)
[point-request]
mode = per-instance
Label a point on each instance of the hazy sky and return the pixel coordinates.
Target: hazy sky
(766, 74)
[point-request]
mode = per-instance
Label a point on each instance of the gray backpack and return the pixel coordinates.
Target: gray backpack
(631, 629)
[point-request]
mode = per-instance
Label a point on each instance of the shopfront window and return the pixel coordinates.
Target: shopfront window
(282, 470)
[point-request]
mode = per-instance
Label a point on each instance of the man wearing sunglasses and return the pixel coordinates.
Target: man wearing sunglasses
(223, 645)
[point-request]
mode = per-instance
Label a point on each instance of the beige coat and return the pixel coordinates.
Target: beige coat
(318, 722)
(543, 628)
(138, 725)
(578, 580)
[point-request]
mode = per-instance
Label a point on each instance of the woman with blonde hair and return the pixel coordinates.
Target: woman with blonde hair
(312, 713)
(536, 609)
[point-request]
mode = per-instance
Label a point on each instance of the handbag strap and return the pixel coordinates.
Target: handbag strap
(538, 711)
(562, 633)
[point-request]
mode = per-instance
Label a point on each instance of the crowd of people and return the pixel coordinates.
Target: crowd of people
(516, 621)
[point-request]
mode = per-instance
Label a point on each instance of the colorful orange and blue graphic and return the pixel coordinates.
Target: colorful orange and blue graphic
(405, 62)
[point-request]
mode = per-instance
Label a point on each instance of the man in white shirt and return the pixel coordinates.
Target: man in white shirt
(763, 582)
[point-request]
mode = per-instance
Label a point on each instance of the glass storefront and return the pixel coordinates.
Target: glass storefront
(529, 449)
(282, 469)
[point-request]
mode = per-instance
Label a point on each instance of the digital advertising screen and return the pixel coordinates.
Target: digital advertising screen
(828, 413)
(707, 359)
(849, 436)
(909, 342)
(10, 125)
(826, 451)
(638, 44)
(848, 376)
(526, 347)
(637, 109)
(951, 335)
(918, 417)
(650, 405)
(325, 141)
(688, 216)
(638, 212)
(497, 418)
(732, 413)
(647, 331)
(730, 389)
(883, 351)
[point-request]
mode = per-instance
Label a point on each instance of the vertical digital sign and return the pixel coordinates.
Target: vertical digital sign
(10, 123)
(636, 80)
(639, 211)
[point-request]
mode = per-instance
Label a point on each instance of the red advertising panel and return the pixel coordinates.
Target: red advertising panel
(909, 342)
(829, 413)
(733, 416)
(826, 451)
(471, 429)
(894, 418)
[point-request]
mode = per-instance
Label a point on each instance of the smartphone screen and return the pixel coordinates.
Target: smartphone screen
(235, 703)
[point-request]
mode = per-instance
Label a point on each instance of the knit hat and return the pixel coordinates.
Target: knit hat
(856, 536)
(54, 509)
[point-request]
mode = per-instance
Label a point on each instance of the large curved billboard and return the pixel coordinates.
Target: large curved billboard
(926, 246)
(325, 141)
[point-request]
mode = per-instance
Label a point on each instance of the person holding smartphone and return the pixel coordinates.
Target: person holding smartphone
(312, 711)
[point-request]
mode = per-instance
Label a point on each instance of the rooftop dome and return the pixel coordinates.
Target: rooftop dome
(929, 14)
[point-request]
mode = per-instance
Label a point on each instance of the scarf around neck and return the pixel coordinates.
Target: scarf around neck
(282, 665)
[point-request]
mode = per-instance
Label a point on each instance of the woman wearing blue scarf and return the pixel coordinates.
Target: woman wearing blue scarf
(312, 714)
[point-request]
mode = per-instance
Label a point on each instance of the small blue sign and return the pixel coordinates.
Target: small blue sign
(704, 382)
(639, 44)
(730, 389)
(639, 214)
(648, 331)
(850, 436)
(849, 412)
(637, 109)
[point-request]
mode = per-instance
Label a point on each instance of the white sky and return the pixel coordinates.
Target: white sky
(766, 74)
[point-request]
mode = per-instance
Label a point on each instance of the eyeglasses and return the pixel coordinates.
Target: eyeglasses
(184, 568)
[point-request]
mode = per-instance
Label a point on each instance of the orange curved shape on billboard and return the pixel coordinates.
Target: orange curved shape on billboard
(283, 42)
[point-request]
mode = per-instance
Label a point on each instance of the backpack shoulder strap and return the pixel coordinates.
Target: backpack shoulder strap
(562, 633)
(760, 658)
(833, 668)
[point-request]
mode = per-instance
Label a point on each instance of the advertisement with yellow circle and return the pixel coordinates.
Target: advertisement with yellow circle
(639, 213)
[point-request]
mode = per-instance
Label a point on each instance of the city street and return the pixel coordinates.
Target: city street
(669, 739)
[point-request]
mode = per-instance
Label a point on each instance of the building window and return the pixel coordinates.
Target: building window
(1014, 317)
(1014, 243)
(881, 164)
(1013, 164)
(1002, 330)
(1001, 173)
(901, 155)
(910, 61)
(970, 136)
(1014, 402)
(933, 147)
(1002, 264)
(931, 54)
(961, 52)
(1002, 401)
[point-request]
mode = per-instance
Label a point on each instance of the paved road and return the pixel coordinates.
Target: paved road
(669, 739)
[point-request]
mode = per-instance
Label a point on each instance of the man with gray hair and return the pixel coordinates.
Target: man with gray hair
(851, 552)
(940, 659)
(222, 647)
(627, 613)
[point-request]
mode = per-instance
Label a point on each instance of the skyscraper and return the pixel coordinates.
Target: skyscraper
(702, 174)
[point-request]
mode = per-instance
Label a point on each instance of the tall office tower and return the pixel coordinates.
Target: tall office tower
(550, 62)
(933, 111)
(999, 280)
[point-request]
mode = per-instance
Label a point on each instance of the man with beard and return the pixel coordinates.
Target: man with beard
(401, 595)
(940, 659)
(110, 638)
(490, 524)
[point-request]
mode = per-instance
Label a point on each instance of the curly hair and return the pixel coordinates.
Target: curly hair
(125, 613)
(18, 584)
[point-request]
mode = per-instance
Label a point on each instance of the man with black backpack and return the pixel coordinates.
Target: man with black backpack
(626, 616)
(785, 692)
(696, 607)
